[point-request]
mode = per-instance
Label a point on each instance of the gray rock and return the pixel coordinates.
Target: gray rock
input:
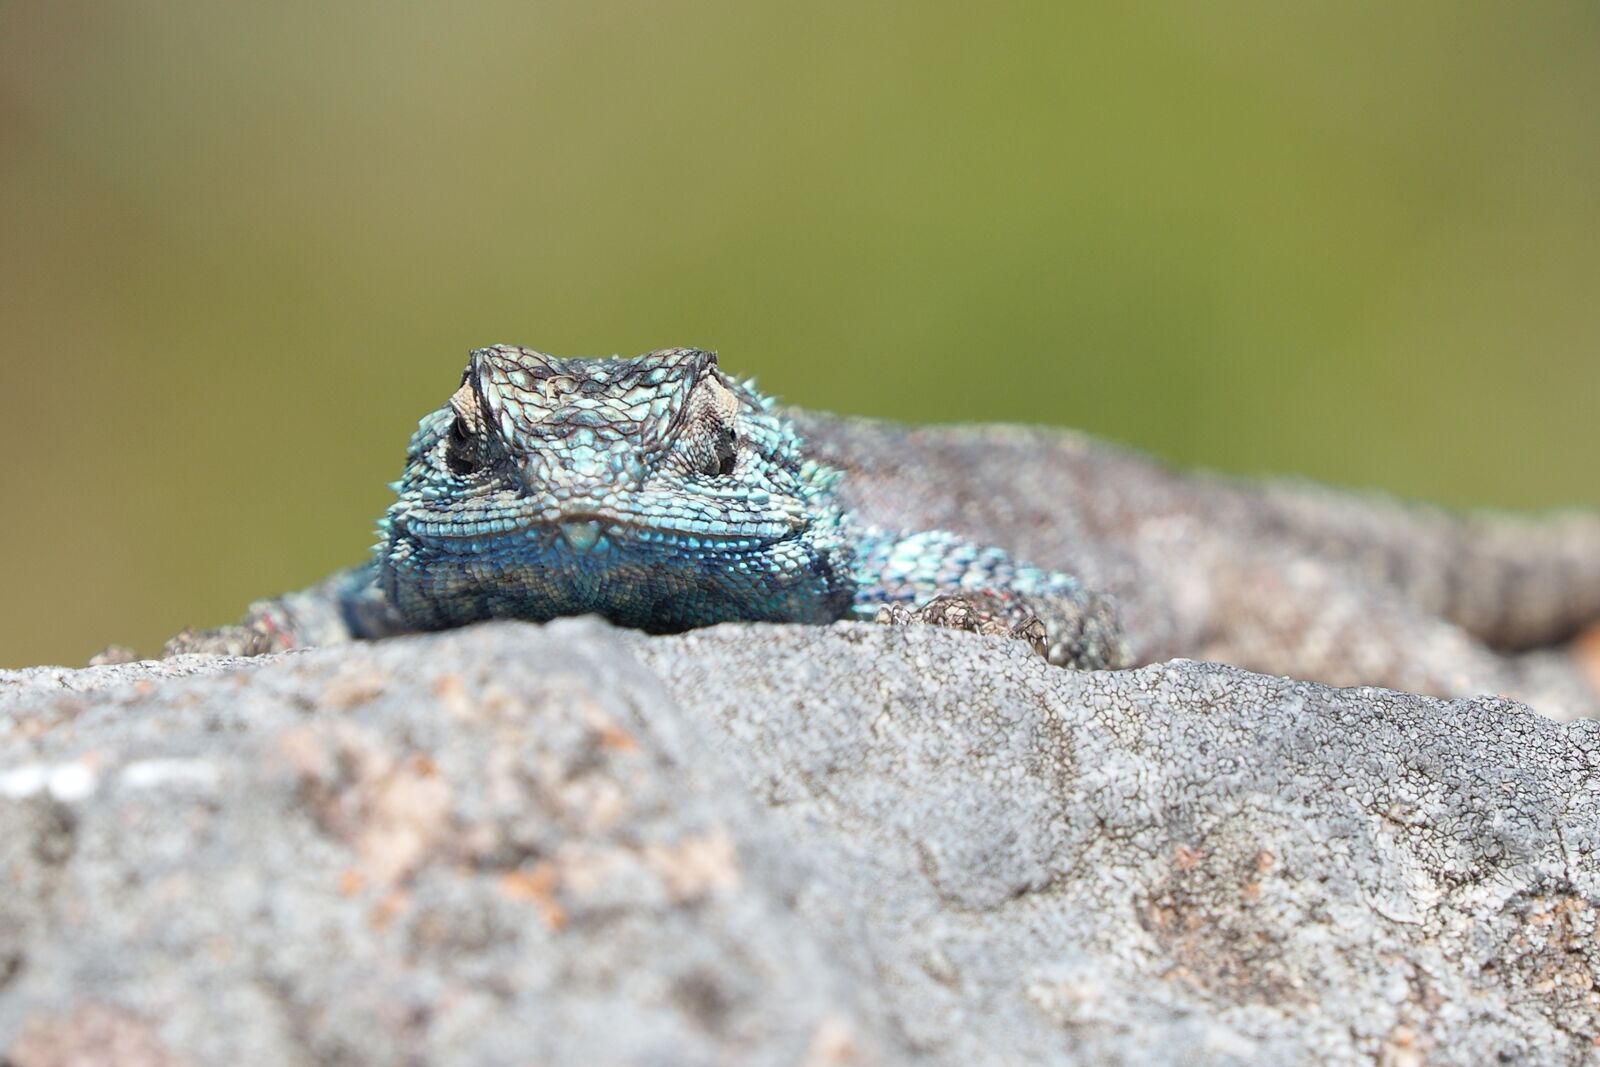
(786, 845)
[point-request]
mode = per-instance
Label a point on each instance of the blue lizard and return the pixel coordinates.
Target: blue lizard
(662, 494)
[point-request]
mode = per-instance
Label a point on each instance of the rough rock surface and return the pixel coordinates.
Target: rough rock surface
(577, 845)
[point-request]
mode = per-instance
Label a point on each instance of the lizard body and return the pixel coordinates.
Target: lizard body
(660, 493)
(664, 494)
(1277, 575)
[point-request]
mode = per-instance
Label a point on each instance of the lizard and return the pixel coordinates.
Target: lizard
(661, 493)
(552, 486)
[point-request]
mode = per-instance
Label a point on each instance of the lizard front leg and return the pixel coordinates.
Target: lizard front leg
(344, 607)
(939, 578)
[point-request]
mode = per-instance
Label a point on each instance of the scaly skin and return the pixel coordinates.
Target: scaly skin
(1279, 576)
(659, 493)
(599, 486)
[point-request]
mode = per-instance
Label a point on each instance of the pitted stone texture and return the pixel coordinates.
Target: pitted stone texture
(481, 848)
(851, 844)
(1184, 857)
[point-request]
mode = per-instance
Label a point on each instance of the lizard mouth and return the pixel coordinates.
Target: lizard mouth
(584, 530)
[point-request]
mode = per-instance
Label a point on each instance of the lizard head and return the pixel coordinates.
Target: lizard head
(657, 491)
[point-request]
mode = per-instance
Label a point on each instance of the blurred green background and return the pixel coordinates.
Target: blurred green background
(244, 246)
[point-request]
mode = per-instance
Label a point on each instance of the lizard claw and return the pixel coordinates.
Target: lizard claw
(978, 613)
(222, 641)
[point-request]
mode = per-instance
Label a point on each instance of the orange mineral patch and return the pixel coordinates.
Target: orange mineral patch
(537, 886)
(1586, 650)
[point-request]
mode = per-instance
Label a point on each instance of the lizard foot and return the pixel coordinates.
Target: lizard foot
(1080, 632)
(977, 613)
(222, 641)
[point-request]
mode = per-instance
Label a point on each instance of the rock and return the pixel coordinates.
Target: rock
(785, 845)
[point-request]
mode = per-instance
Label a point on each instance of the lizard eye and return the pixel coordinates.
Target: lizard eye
(462, 453)
(724, 453)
